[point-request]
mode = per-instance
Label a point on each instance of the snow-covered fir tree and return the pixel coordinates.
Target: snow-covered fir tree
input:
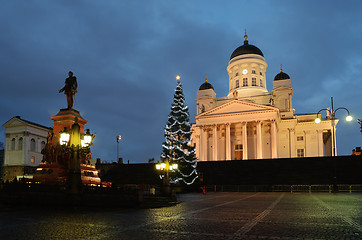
(176, 148)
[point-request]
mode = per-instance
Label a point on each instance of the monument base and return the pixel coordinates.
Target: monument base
(61, 162)
(65, 119)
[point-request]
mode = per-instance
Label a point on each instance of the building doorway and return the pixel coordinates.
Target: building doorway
(238, 153)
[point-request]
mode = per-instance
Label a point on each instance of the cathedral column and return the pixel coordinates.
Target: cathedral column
(227, 142)
(274, 141)
(201, 145)
(245, 140)
(305, 143)
(291, 142)
(259, 147)
(214, 143)
(204, 144)
(334, 144)
(320, 142)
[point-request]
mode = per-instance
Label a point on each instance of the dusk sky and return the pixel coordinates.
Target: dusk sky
(126, 55)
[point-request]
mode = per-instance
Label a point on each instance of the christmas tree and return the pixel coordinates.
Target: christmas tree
(177, 149)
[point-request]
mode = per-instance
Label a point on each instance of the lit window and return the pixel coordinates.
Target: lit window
(12, 144)
(300, 152)
(245, 82)
(253, 81)
(32, 159)
(32, 145)
(299, 138)
(237, 84)
(253, 72)
(261, 83)
(20, 144)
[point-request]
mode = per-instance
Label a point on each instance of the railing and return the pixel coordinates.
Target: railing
(283, 188)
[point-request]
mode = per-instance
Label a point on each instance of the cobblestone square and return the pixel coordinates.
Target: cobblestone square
(198, 216)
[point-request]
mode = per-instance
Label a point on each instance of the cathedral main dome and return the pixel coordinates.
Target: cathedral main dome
(246, 49)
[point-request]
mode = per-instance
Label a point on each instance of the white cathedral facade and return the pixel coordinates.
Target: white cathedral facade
(253, 123)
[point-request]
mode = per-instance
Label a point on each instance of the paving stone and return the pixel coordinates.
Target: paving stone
(211, 216)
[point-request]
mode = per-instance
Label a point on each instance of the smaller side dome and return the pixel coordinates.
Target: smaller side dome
(206, 85)
(282, 75)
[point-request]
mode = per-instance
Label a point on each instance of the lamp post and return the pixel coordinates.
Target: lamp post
(166, 167)
(74, 143)
(332, 114)
(119, 138)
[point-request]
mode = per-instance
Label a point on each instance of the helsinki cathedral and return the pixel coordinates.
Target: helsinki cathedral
(252, 122)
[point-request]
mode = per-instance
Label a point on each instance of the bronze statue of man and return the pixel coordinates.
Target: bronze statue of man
(69, 89)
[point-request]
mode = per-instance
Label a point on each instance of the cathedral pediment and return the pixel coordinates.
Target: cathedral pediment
(237, 107)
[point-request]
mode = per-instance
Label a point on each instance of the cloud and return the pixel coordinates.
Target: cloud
(126, 56)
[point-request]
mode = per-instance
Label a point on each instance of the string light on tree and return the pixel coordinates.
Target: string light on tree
(177, 149)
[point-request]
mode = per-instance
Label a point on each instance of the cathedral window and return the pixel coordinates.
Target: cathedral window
(239, 147)
(253, 72)
(237, 84)
(32, 145)
(32, 159)
(299, 138)
(261, 83)
(253, 81)
(261, 74)
(20, 144)
(300, 152)
(42, 145)
(236, 74)
(245, 82)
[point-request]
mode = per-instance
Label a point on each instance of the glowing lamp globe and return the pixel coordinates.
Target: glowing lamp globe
(87, 138)
(163, 165)
(64, 138)
(349, 118)
(82, 143)
(317, 120)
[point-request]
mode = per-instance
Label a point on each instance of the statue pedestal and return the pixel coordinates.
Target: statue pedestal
(67, 165)
(66, 118)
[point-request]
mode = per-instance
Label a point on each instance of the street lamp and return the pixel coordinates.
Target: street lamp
(166, 167)
(119, 138)
(75, 143)
(332, 113)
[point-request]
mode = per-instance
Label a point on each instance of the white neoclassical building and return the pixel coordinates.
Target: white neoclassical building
(24, 141)
(253, 123)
